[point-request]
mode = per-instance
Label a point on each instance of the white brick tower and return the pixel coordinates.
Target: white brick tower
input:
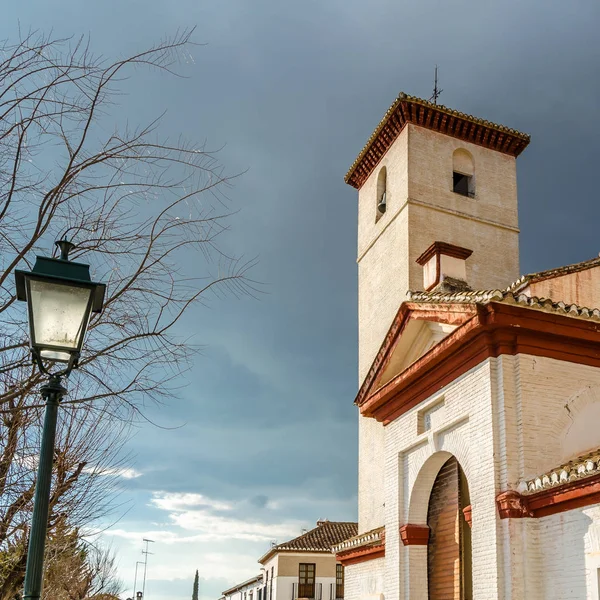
(427, 174)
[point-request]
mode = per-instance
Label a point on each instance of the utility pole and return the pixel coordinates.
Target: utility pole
(139, 562)
(145, 552)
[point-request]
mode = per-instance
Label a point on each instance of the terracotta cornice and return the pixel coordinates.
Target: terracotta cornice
(446, 249)
(414, 535)
(369, 551)
(407, 109)
(495, 329)
(351, 557)
(512, 505)
(468, 514)
(576, 494)
(450, 314)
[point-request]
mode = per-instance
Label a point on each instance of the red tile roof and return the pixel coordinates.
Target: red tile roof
(408, 109)
(320, 539)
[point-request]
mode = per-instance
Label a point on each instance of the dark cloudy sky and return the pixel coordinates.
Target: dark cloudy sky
(293, 90)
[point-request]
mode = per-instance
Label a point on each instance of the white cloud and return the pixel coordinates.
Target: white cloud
(182, 501)
(126, 473)
(199, 515)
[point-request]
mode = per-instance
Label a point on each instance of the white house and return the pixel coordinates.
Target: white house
(305, 567)
(247, 590)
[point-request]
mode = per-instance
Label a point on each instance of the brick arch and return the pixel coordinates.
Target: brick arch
(462, 161)
(421, 490)
(428, 471)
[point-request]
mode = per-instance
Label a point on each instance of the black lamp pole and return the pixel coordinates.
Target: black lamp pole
(53, 393)
(61, 297)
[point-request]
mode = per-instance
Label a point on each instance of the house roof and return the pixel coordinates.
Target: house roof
(552, 273)
(507, 297)
(584, 466)
(239, 586)
(409, 109)
(320, 539)
(369, 538)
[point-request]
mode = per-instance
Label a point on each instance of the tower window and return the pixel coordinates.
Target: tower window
(463, 173)
(381, 193)
(462, 184)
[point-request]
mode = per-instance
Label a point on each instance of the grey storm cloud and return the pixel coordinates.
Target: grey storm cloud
(292, 91)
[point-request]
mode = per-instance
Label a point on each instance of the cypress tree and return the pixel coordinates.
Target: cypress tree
(196, 585)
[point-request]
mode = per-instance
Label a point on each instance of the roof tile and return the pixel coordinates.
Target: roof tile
(325, 535)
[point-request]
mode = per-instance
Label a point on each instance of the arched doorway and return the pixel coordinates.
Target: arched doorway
(449, 561)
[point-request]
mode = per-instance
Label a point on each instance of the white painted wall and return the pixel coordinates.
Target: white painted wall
(364, 581)
(285, 588)
(506, 420)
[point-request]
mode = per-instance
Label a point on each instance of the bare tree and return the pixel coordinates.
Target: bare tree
(135, 204)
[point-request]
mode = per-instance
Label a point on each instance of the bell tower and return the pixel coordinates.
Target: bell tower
(427, 174)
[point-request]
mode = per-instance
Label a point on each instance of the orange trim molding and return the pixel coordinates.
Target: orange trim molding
(511, 505)
(451, 314)
(468, 514)
(490, 330)
(359, 555)
(414, 535)
(438, 248)
(577, 494)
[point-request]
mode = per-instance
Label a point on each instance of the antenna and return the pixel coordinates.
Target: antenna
(145, 552)
(436, 91)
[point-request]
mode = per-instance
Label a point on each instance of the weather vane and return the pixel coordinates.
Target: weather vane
(436, 91)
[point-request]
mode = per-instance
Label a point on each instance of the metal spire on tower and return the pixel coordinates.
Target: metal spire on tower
(436, 91)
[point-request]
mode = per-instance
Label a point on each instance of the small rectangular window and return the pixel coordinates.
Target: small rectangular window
(431, 416)
(462, 184)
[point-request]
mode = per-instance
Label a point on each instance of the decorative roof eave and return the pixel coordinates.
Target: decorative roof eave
(575, 484)
(497, 328)
(409, 109)
(579, 468)
(525, 280)
(447, 312)
(277, 549)
(361, 548)
(507, 297)
(369, 538)
(242, 585)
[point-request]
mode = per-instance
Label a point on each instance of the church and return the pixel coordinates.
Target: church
(479, 388)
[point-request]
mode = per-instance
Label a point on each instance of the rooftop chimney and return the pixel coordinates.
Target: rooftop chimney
(444, 264)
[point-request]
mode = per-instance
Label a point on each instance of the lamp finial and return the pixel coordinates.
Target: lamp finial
(65, 247)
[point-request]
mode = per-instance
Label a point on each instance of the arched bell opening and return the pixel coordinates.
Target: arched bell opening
(381, 193)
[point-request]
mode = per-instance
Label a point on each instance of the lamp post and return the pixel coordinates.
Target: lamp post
(60, 297)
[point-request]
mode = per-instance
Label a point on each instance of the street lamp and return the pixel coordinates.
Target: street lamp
(60, 297)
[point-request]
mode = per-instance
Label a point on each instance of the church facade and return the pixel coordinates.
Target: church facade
(479, 399)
